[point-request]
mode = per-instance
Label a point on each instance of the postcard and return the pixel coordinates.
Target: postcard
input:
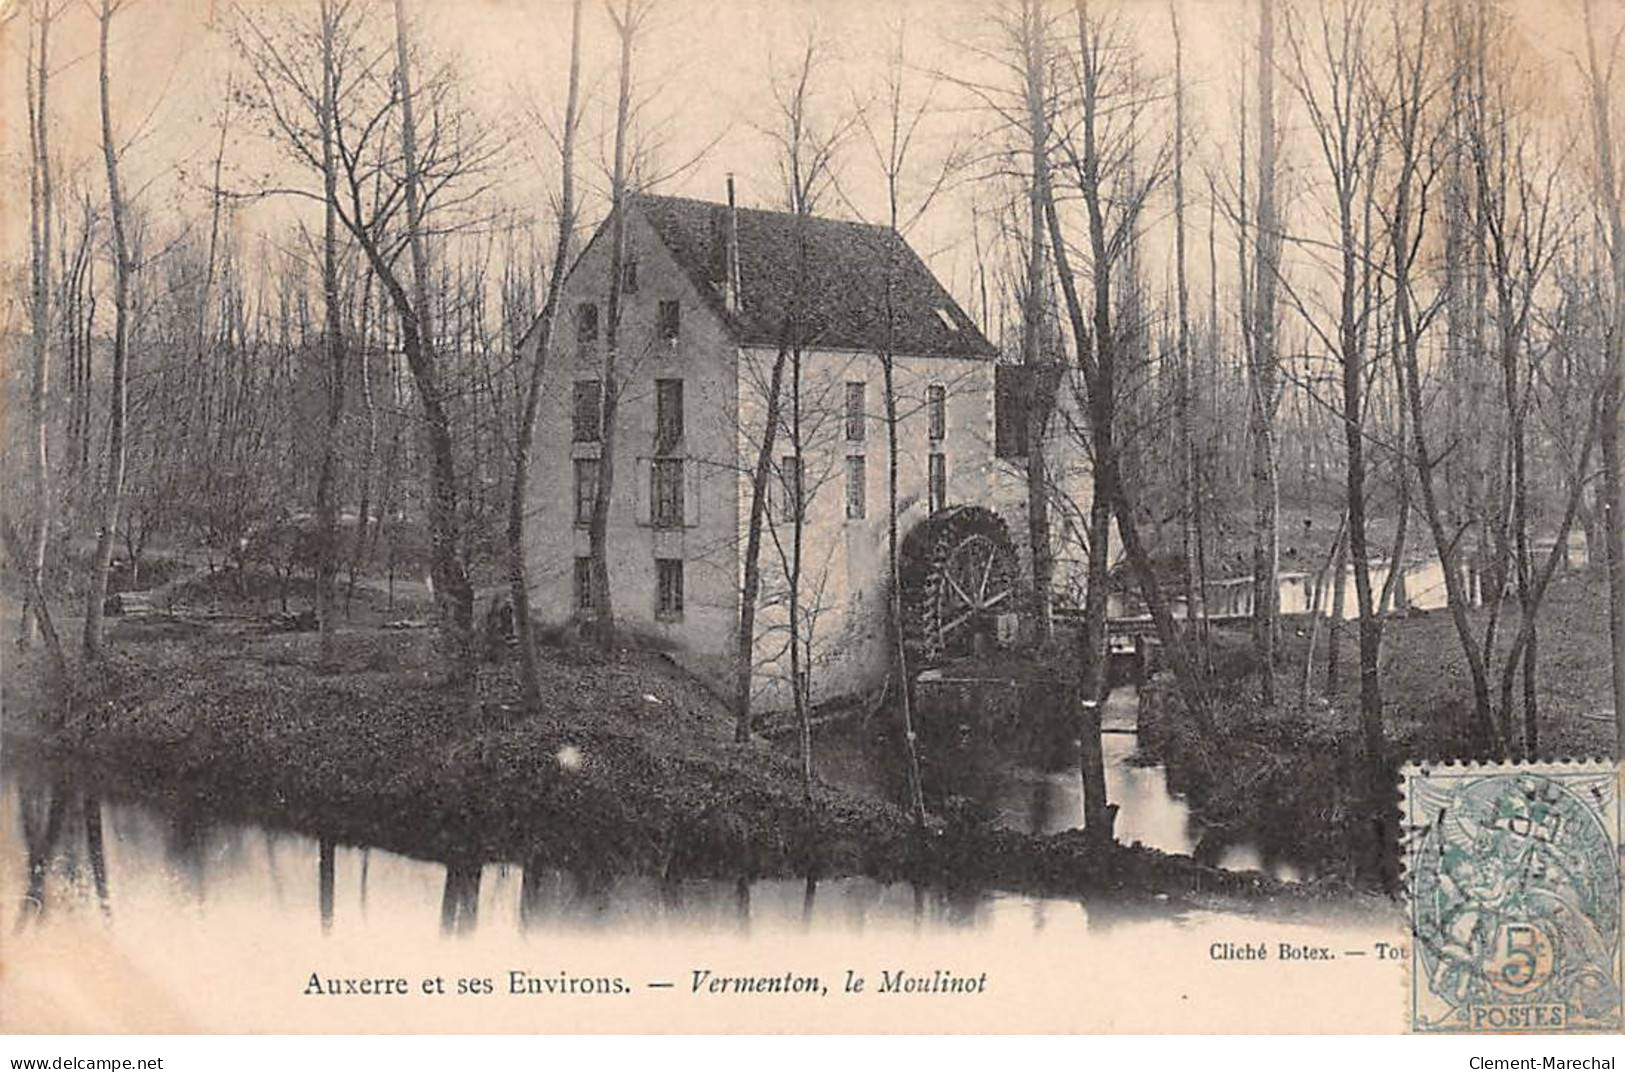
(939, 516)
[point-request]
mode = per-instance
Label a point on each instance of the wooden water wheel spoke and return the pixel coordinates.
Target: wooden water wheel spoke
(991, 601)
(958, 591)
(987, 572)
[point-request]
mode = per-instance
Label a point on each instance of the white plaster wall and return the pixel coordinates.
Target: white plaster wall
(844, 574)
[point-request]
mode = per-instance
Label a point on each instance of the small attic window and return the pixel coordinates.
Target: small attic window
(946, 318)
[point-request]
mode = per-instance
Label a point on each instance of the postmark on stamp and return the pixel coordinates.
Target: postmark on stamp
(1513, 880)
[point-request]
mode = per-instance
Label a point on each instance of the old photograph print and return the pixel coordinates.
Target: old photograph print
(740, 515)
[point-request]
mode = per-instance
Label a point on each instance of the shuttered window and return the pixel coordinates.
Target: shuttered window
(583, 584)
(790, 501)
(669, 587)
(855, 426)
(586, 324)
(586, 488)
(666, 492)
(585, 411)
(1011, 392)
(668, 416)
(857, 487)
(671, 321)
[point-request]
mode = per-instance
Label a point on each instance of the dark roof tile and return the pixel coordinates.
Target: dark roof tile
(846, 280)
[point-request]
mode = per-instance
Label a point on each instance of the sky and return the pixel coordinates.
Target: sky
(705, 72)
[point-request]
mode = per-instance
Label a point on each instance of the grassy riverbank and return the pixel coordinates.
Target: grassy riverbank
(632, 752)
(1427, 690)
(1294, 775)
(631, 767)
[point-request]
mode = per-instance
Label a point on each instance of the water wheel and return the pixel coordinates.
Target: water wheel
(959, 572)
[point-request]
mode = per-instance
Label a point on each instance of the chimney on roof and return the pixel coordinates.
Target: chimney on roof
(731, 291)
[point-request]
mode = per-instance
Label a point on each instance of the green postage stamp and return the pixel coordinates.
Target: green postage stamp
(1513, 878)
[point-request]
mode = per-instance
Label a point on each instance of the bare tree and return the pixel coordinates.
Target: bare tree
(1263, 369)
(1039, 98)
(123, 269)
(1330, 65)
(1408, 115)
(627, 23)
(1599, 80)
(1032, 37)
(396, 187)
(891, 142)
(1100, 156)
(333, 335)
(751, 586)
(41, 202)
(805, 161)
(1523, 224)
(519, 588)
(1185, 448)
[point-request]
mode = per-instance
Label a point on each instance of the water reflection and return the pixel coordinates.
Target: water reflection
(40, 838)
(324, 881)
(1031, 783)
(50, 813)
(188, 872)
(460, 902)
(1420, 586)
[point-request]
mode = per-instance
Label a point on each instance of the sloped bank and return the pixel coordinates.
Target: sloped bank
(1291, 780)
(630, 769)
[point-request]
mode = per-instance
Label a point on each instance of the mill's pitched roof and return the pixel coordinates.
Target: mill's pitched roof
(845, 289)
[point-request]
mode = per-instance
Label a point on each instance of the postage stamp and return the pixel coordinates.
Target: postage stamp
(1513, 880)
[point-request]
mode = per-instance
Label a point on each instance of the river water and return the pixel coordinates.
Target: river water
(155, 862)
(171, 865)
(135, 913)
(174, 865)
(1422, 586)
(1043, 794)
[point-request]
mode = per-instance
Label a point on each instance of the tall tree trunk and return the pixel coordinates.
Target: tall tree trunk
(1032, 322)
(598, 525)
(365, 530)
(1359, 553)
(113, 484)
(1186, 448)
(888, 362)
(798, 527)
(40, 200)
(1521, 654)
(1262, 372)
(1459, 336)
(1100, 371)
(1317, 597)
(905, 686)
(751, 586)
(1613, 504)
(1334, 630)
(454, 597)
(1087, 691)
(518, 584)
(326, 505)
